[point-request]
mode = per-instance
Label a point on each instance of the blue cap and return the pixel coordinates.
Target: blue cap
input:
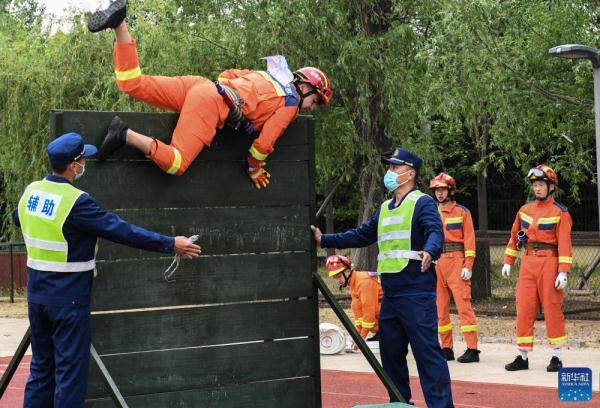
(403, 156)
(68, 148)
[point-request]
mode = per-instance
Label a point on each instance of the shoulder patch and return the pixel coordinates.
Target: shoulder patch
(562, 207)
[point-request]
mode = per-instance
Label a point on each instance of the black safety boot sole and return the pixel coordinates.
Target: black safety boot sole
(110, 17)
(115, 138)
(470, 356)
(555, 365)
(448, 353)
(518, 364)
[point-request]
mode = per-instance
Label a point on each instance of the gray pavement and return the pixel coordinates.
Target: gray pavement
(489, 370)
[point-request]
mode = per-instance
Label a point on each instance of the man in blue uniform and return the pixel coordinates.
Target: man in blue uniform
(60, 226)
(408, 231)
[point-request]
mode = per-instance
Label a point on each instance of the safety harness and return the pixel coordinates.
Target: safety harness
(236, 118)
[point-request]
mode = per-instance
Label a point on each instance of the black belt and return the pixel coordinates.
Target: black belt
(453, 246)
(235, 118)
(540, 246)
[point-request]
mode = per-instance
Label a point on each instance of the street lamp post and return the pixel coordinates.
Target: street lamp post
(576, 51)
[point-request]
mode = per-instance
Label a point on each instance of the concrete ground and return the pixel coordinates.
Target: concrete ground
(489, 370)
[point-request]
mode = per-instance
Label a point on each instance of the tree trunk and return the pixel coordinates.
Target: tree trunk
(329, 227)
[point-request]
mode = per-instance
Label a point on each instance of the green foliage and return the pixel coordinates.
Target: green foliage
(474, 74)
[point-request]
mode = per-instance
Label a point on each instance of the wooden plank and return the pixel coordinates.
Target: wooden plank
(222, 230)
(227, 145)
(136, 284)
(133, 284)
(205, 367)
(143, 185)
(290, 393)
(201, 326)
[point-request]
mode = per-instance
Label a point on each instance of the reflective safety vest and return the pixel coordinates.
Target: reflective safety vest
(43, 209)
(393, 234)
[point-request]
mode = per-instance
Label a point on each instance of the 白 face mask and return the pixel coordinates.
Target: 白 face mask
(78, 175)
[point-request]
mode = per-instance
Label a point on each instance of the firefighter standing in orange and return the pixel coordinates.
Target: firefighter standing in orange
(255, 102)
(543, 228)
(454, 269)
(365, 290)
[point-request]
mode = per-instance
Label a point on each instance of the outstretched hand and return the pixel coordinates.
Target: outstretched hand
(316, 233)
(185, 248)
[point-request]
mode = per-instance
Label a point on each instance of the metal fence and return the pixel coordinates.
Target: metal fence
(495, 295)
(13, 274)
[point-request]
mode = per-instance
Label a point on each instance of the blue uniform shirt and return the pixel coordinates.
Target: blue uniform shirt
(85, 223)
(427, 235)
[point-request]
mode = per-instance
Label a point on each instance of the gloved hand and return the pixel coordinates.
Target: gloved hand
(561, 281)
(466, 274)
(506, 271)
(256, 170)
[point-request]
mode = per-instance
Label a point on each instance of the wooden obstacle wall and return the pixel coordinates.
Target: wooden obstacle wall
(239, 326)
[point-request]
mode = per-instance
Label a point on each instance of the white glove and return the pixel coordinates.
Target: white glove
(466, 274)
(561, 281)
(506, 271)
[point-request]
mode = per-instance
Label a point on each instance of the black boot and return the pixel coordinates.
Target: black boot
(448, 353)
(114, 139)
(374, 338)
(555, 365)
(110, 17)
(470, 356)
(518, 364)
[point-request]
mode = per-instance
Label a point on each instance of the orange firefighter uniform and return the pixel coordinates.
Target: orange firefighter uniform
(548, 251)
(268, 105)
(459, 253)
(366, 301)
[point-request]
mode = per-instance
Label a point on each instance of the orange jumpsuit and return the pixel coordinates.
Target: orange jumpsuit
(546, 222)
(268, 105)
(458, 229)
(366, 301)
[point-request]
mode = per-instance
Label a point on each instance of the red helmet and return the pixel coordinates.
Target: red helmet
(318, 80)
(543, 173)
(337, 263)
(443, 180)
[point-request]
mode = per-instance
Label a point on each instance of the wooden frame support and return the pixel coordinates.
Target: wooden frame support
(358, 340)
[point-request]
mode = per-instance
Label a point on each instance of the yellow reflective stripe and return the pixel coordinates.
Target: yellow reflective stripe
(565, 259)
(470, 253)
(445, 328)
(278, 89)
(549, 220)
(511, 252)
(526, 217)
(257, 154)
(368, 325)
(358, 322)
(128, 75)
(525, 340)
(557, 340)
(468, 328)
(454, 220)
(176, 162)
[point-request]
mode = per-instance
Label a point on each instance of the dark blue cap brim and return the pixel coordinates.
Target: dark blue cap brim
(393, 160)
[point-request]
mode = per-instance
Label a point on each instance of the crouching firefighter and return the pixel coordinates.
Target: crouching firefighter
(543, 229)
(454, 269)
(366, 293)
(261, 104)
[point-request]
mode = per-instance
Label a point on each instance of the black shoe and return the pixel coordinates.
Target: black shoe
(110, 17)
(518, 364)
(114, 139)
(448, 353)
(555, 365)
(470, 356)
(374, 338)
